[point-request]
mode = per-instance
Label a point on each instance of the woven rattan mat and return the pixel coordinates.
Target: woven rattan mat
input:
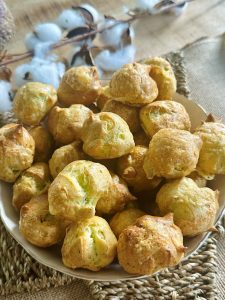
(192, 279)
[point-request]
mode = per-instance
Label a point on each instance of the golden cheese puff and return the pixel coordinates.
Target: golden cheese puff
(106, 135)
(76, 190)
(151, 244)
(128, 113)
(44, 143)
(16, 151)
(172, 153)
(141, 139)
(115, 198)
(33, 182)
(103, 97)
(33, 101)
(212, 154)
(65, 155)
(124, 218)
(65, 124)
(89, 244)
(79, 85)
(133, 85)
(130, 168)
(164, 114)
(194, 208)
(162, 73)
(38, 226)
(198, 179)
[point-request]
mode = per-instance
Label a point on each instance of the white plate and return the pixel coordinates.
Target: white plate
(51, 256)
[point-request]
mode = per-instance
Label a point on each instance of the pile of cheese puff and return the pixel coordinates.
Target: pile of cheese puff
(111, 170)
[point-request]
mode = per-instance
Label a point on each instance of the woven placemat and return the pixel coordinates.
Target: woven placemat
(193, 278)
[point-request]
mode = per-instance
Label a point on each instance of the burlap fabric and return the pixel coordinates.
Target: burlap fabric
(199, 68)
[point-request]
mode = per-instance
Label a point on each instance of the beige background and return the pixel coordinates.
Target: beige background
(154, 35)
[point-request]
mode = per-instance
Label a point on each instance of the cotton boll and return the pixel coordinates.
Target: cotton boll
(21, 75)
(46, 74)
(146, 5)
(61, 68)
(5, 101)
(31, 41)
(113, 36)
(95, 14)
(48, 32)
(40, 70)
(46, 71)
(70, 19)
(179, 9)
(41, 49)
(80, 56)
(111, 61)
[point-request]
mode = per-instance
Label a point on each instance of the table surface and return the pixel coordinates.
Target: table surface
(163, 34)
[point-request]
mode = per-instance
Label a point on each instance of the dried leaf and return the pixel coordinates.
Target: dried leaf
(126, 38)
(27, 76)
(212, 118)
(5, 73)
(85, 54)
(80, 31)
(85, 13)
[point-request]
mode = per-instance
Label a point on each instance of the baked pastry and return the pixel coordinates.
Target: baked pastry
(162, 73)
(76, 190)
(89, 244)
(133, 85)
(198, 179)
(79, 85)
(33, 182)
(128, 113)
(212, 155)
(141, 139)
(16, 151)
(124, 218)
(116, 198)
(33, 101)
(106, 135)
(172, 153)
(194, 208)
(65, 155)
(44, 143)
(65, 124)
(38, 226)
(149, 245)
(103, 96)
(130, 168)
(164, 114)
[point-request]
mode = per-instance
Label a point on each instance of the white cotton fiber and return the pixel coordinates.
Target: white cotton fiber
(95, 14)
(20, 74)
(31, 41)
(48, 32)
(146, 5)
(113, 36)
(40, 70)
(41, 49)
(178, 10)
(70, 19)
(111, 61)
(5, 102)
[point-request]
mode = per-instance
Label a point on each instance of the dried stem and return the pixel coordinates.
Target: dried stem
(7, 59)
